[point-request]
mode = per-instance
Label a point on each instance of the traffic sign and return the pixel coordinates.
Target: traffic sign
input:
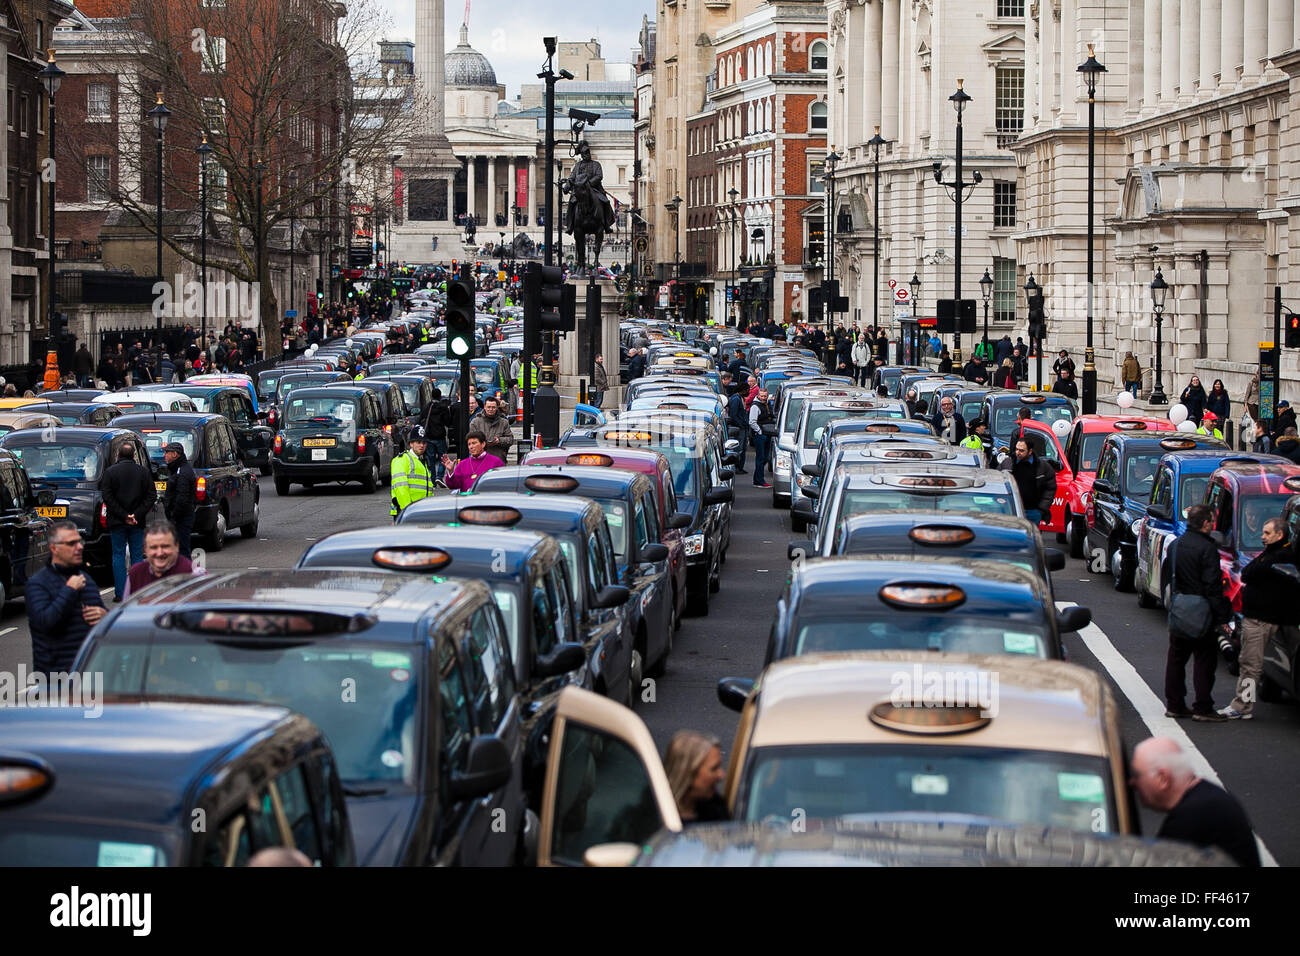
(291, 313)
(641, 244)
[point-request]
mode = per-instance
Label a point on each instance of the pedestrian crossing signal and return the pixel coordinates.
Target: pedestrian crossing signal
(1292, 330)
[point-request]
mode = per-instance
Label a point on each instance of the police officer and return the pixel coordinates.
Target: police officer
(412, 479)
(979, 439)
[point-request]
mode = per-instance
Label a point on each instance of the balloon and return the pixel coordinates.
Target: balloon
(713, 350)
(1124, 399)
(1061, 427)
(1187, 425)
(1178, 413)
(349, 343)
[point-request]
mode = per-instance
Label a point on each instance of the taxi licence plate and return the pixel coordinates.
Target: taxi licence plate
(318, 442)
(160, 487)
(318, 454)
(53, 511)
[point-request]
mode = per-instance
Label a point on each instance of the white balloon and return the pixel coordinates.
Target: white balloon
(1061, 427)
(349, 343)
(1178, 413)
(1124, 399)
(1187, 425)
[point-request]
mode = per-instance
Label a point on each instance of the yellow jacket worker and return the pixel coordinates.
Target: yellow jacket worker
(412, 479)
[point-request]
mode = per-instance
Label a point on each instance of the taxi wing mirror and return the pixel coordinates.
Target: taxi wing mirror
(565, 657)
(734, 691)
(730, 459)
(680, 520)
(812, 491)
(803, 509)
(1222, 539)
(487, 768)
(1054, 558)
(725, 474)
(612, 595)
(1102, 485)
(654, 552)
(719, 496)
(1073, 619)
(813, 471)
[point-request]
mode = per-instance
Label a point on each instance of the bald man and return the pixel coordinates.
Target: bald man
(1196, 810)
(279, 856)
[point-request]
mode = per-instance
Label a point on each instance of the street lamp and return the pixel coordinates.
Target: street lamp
(52, 76)
(958, 186)
(1159, 289)
(293, 185)
(735, 219)
(204, 150)
(260, 168)
(986, 289)
(159, 114)
(915, 286)
(1090, 68)
(832, 158)
(1034, 299)
(877, 141)
(673, 206)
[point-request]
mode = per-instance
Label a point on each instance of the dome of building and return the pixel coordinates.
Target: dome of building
(467, 69)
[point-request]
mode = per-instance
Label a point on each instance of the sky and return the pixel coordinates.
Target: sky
(509, 32)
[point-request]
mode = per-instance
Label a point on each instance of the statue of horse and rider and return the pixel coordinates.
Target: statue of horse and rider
(590, 211)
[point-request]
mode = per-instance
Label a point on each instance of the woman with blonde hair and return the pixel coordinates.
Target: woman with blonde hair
(1005, 376)
(693, 763)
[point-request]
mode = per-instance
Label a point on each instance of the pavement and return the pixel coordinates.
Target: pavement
(1257, 760)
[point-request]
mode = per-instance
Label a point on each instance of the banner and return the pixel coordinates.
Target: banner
(521, 190)
(398, 185)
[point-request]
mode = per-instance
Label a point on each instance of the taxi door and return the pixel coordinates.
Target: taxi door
(23, 532)
(1046, 445)
(650, 581)
(1154, 535)
(604, 781)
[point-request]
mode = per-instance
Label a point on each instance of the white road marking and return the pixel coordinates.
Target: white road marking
(105, 590)
(7, 630)
(1151, 708)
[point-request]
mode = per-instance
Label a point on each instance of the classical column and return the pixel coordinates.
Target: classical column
(1169, 39)
(1070, 60)
(491, 193)
(1211, 23)
(1031, 69)
(1230, 28)
(872, 38)
(1189, 51)
(512, 197)
(470, 186)
(889, 73)
(1255, 39)
(1150, 55)
(1047, 76)
(1280, 15)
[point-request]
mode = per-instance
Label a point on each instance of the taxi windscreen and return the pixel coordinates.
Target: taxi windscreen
(1140, 474)
(1004, 418)
(1253, 511)
(920, 632)
(411, 395)
(320, 410)
(36, 842)
(896, 499)
(1035, 787)
(1090, 451)
(375, 734)
(56, 463)
(156, 439)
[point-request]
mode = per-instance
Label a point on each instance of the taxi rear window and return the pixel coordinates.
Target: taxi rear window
(321, 410)
(920, 632)
(156, 439)
(865, 502)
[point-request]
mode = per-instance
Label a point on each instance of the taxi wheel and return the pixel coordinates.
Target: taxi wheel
(250, 530)
(282, 486)
(1074, 534)
(217, 540)
(266, 469)
(798, 524)
(1145, 599)
(1120, 571)
(370, 484)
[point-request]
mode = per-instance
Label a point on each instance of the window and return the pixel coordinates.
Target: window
(1004, 290)
(13, 103)
(24, 113)
(562, 600)
(99, 101)
(1009, 103)
(816, 170)
(817, 117)
(1011, 9)
(98, 178)
(292, 790)
(1004, 205)
(817, 56)
(767, 58)
(214, 115)
(214, 55)
(40, 35)
(544, 615)
(488, 668)
(457, 727)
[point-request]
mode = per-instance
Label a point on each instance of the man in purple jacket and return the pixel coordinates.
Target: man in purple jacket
(462, 475)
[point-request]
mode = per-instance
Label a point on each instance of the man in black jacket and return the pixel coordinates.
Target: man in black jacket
(1265, 606)
(974, 371)
(737, 418)
(1035, 480)
(129, 495)
(181, 497)
(1196, 571)
(437, 420)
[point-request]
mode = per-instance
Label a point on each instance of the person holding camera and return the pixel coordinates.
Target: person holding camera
(1198, 613)
(1265, 606)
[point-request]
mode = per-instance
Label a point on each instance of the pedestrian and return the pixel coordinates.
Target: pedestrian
(1063, 361)
(412, 478)
(462, 474)
(1252, 398)
(1218, 401)
(1285, 419)
(1131, 373)
(737, 419)
(1064, 385)
(1035, 480)
(1209, 425)
(693, 765)
(129, 495)
(437, 419)
(974, 371)
(1003, 350)
(760, 414)
(1193, 398)
(948, 425)
(163, 558)
(180, 499)
(600, 381)
(636, 364)
(84, 365)
(495, 425)
(751, 391)
(63, 602)
(945, 361)
(911, 403)
(1265, 606)
(1288, 445)
(861, 360)
(1020, 363)
(737, 365)
(978, 440)
(1197, 608)
(936, 344)
(1005, 376)
(1197, 811)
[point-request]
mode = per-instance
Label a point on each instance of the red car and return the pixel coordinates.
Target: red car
(1076, 462)
(1242, 496)
(653, 465)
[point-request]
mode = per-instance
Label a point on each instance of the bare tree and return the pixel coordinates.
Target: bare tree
(271, 84)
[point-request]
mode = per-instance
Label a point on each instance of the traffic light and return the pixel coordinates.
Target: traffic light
(320, 289)
(460, 318)
(1037, 317)
(1292, 330)
(550, 303)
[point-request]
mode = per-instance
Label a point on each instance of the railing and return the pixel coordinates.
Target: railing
(814, 257)
(77, 250)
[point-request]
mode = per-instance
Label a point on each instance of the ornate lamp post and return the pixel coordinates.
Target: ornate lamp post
(673, 205)
(1090, 68)
(293, 185)
(958, 186)
(159, 114)
(877, 141)
(1159, 289)
(832, 159)
(735, 219)
(915, 286)
(986, 290)
(1034, 298)
(204, 150)
(52, 77)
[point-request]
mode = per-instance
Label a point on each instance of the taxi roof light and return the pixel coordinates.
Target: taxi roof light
(920, 453)
(928, 719)
(1130, 426)
(941, 534)
(882, 427)
(411, 559)
(491, 516)
(627, 436)
(602, 461)
(1032, 399)
(1177, 444)
(23, 779)
(551, 483)
(926, 481)
(909, 594)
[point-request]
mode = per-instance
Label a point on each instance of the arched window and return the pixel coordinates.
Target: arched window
(767, 59)
(771, 123)
(817, 56)
(749, 62)
(817, 117)
(749, 115)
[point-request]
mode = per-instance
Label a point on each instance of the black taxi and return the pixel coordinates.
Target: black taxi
(632, 512)
(71, 466)
(24, 527)
(1121, 492)
(236, 403)
(66, 802)
(297, 378)
(930, 603)
(1002, 408)
(398, 418)
(409, 678)
(332, 433)
(227, 495)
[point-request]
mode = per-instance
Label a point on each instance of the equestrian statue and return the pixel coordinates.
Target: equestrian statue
(590, 211)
